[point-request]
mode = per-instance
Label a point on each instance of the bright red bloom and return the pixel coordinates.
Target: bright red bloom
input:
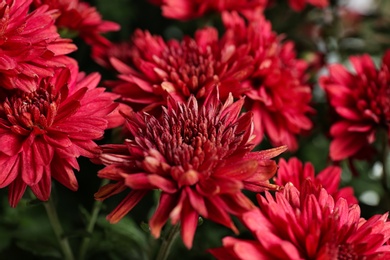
(189, 67)
(79, 16)
(296, 172)
(308, 225)
(277, 92)
(42, 132)
(198, 156)
(121, 51)
(29, 44)
(188, 9)
(299, 5)
(362, 102)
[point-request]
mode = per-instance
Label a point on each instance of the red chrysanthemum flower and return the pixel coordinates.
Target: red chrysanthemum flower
(362, 102)
(189, 67)
(299, 5)
(296, 172)
(188, 9)
(78, 16)
(121, 51)
(198, 156)
(43, 131)
(277, 92)
(308, 225)
(29, 44)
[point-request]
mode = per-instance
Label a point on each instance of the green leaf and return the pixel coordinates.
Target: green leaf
(39, 248)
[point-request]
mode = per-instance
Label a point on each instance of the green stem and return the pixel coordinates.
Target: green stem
(385, 152)
(385, 174)
(91, 224)
(168, 242)
(57, 228)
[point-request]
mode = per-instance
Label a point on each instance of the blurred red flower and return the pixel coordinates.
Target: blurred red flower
(362, 103)
(198, 156)
(43, 131)
(277, 91)
(296, 172)
(188, 9)
(308, 224)
(30, 46)
(299, 5)
(181, 68)
(79, 16)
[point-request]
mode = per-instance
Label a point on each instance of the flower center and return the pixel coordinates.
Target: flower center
(346, 252)
(188, 67)
(374, 100)
(193, 140)
(34, 111)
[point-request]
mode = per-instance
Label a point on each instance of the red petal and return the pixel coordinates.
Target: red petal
(31, 170)
(9, 169)
(164, 208)
(109, 190)
(189, 221)
(16, 191)
(125, 206)
(43, 188)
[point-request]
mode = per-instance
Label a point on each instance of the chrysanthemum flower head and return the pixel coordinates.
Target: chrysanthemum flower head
(188, 9)
(197, 155)
(295, 172)
(181, 68)
(362, 103)
(30, 46)
(79, 16)
(277, 92)
(299, 5)
(308, 224)
(43, 131)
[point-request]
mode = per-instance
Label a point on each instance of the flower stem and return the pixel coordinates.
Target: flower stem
(385, 174)
(91, 224)
(168, 242)
(57, 228)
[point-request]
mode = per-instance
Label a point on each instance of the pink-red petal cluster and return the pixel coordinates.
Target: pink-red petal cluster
(189, 9)
(43, 131)
(361, 99)
(30, 46)
(299, 5)
(79, 16)
(197, 155)
(277, 92)
(308, 224)
(296, 172)
(181, 68)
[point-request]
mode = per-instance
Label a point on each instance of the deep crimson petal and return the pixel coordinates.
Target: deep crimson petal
(188, 222)
(11, 143)
(160, 217)
(43, 188)
(32, 170)
(43, 153)
(344, 146)
(15, 191)
(125, 206)
(64, 174)
(109, 190)
(10, 169)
